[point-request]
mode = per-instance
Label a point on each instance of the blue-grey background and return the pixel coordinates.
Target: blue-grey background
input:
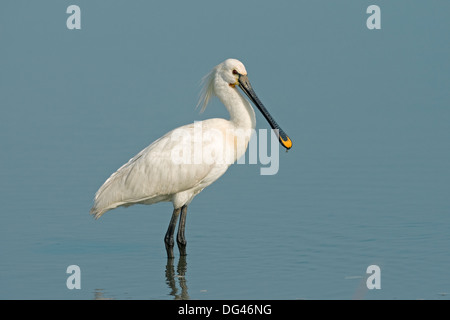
(366, 182)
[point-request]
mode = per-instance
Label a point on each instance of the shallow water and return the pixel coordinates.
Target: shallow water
(366, 182)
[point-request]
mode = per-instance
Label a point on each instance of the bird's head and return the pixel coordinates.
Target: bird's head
(233, 73)
(230, 70)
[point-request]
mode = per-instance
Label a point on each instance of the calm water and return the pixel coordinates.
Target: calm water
(366, 183)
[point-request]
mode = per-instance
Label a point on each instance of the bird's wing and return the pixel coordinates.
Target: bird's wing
(164, 168)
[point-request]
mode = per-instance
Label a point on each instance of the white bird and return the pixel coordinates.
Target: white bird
(179, 165)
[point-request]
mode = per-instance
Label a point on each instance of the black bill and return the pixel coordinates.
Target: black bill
(245, 85)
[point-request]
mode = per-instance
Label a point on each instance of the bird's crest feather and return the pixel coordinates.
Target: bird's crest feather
(207, 91)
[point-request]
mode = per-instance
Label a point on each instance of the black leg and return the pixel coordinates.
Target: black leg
(181, 240)
(168, 239)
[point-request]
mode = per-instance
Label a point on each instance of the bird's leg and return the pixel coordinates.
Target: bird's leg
(181, 240)
(168, 239)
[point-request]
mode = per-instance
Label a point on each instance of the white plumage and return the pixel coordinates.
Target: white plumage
(179, 165)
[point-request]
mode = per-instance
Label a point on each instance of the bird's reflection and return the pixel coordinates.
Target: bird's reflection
(171, 278)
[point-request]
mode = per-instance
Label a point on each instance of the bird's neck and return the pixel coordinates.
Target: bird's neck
(241, 112)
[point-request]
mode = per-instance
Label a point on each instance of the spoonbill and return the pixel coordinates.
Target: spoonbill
(156, 173)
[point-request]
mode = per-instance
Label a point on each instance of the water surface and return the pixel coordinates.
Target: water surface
(366, 182)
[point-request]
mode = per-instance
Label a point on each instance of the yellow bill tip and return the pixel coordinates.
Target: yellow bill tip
(286, 143)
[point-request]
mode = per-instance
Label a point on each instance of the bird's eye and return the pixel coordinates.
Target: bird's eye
(234, 71)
